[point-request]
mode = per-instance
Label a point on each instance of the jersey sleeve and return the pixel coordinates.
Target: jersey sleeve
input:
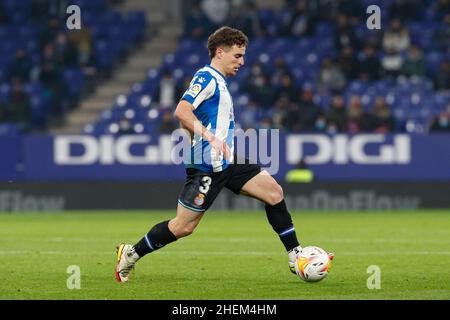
(201, 88)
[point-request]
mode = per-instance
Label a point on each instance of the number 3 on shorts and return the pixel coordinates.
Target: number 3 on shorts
(206, 183)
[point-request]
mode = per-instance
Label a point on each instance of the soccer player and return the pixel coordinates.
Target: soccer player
(206, 111)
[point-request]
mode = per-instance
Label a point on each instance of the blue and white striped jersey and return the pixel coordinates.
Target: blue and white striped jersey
(208, 93)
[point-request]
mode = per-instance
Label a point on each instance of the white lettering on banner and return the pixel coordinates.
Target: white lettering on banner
(344, 149)
(339, 149)
(108, 150)
(62, 150)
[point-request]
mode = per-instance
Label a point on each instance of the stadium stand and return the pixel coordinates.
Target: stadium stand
(302, 58)
(56, 66)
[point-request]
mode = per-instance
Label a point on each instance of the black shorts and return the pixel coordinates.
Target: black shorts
(202, 188)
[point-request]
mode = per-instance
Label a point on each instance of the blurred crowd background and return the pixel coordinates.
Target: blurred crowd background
(311, 66)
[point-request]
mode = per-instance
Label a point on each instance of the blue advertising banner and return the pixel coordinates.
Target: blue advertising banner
(11, 158)
(362, 157)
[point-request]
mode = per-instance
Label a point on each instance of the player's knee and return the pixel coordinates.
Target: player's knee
(180, 229)
(188, 230)
(276, 194)
(184, 230)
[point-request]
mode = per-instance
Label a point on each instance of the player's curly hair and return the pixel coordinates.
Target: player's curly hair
(226, 37)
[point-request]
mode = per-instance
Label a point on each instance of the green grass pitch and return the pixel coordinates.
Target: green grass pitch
(229, 256)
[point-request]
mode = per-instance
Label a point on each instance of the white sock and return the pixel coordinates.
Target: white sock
(132, 255)
(292, 254)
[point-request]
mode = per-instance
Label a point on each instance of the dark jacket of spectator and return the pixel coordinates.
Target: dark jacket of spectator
(370, 66)
(20, 67)
(246, 18)
(66, 52)
(281, 68)
(382, 117)
(4, 18)
(168, 124)
(308, 111)
(442, 77)
(344, 34)
(348, 63)
(358, 119)
(196, 23)
(414, 64)
(257, 85)
(297, 21)
(286, 88)
(18, 108)
(406, 10)
(441, 122)
(337, 113)
(441, 37)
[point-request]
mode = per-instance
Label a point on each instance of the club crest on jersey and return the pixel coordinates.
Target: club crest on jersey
(199, 200)
(194, 90)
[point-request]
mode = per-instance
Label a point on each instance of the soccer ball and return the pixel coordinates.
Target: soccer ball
(312, 264)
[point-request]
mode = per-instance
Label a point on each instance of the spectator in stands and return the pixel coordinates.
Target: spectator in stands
(87, 59)
(249, 115)
(344, 34)
(289, 113)
(196, 24)
(442, 77)
(3, 117)
(18, 107)
(48, 55)
(348, 63)
(245, 16)
(392, 63)
(41, 10)
(49, 32)
(168, 92)
(296, 21)
(442, 34)
(406, 10)
(414, 65)
(125, 127)
(262, 92)
(216, 11)
(331, 78)
(332, 127)
(308, 110)
(370, 66)
(351, 9)
(441, 122)
(50, 75)
(66, 53)
(358, 119)
(257, 85)
(383, 120)
(4, 18)
(167, 125)
(286, 88)
(265, 123)
(441, 8)
(337, 113)
(300, 174)
(396, 37)
(320, 125)
(20, 67)
(280, 69)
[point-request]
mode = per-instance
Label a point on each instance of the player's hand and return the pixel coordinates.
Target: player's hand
(220, 147)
